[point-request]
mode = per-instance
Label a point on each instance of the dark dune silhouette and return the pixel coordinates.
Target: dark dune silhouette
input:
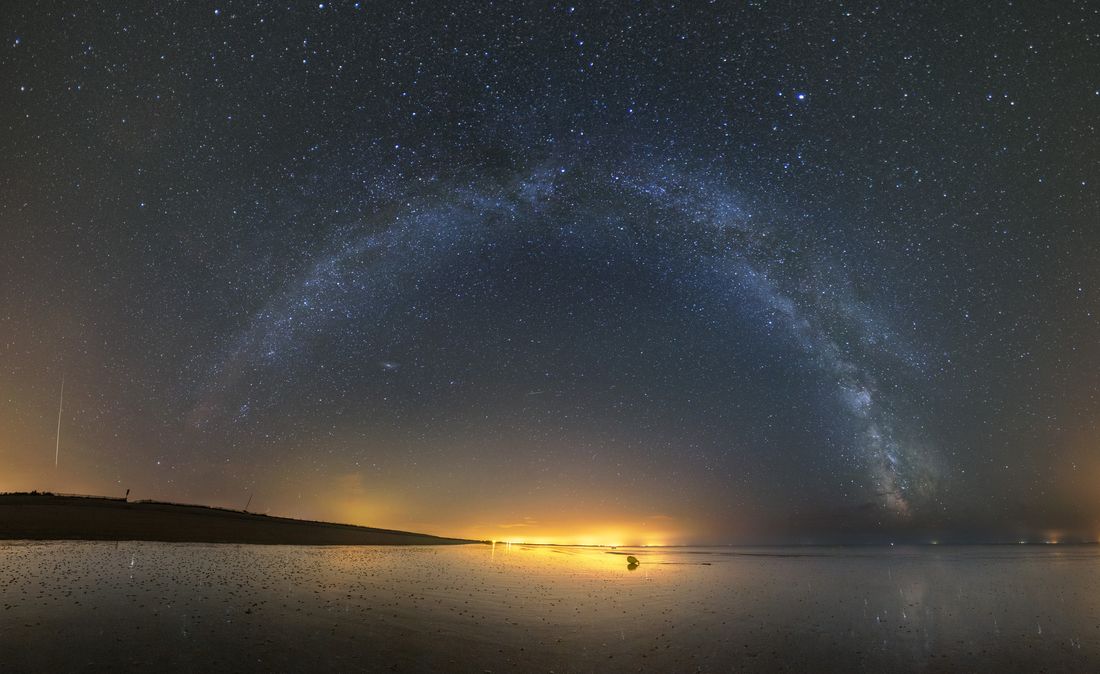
(53, 517)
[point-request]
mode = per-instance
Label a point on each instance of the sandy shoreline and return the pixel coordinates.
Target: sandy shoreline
(193, 607)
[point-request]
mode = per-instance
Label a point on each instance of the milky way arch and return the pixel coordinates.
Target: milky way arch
(681, 226)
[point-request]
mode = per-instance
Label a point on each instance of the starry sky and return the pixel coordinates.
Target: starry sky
(634, 272)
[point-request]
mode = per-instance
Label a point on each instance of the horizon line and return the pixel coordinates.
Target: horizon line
(840, 542)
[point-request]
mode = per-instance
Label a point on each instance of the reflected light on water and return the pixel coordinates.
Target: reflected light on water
(566, 608)
(604, 561)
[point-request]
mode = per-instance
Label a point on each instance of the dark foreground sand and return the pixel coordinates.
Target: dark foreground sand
(96, 606)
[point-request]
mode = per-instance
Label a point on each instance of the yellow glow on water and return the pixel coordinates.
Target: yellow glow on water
(574, 558)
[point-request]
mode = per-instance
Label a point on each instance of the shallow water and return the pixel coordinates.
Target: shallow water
(194, 607)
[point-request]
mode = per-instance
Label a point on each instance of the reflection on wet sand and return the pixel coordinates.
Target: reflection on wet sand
(506, 606)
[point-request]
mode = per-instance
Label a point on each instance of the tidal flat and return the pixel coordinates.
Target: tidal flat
(98, 606)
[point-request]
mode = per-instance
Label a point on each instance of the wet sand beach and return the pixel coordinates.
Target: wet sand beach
(98, 606)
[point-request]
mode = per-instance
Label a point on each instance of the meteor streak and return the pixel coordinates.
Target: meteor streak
(60, 406)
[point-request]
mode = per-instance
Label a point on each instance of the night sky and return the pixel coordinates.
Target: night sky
(620, 272)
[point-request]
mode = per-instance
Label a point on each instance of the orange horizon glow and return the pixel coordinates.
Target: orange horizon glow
(580, 539)
(348, 503)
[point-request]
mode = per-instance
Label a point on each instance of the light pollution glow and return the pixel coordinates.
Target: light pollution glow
(349, 498)
(502, 506)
